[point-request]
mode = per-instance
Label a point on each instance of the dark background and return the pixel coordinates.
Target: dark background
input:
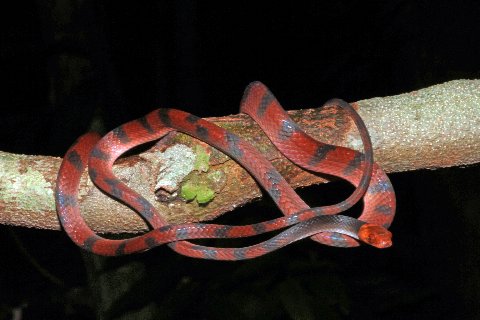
(67, 63)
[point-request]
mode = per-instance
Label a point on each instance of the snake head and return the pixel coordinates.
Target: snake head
(375, 235)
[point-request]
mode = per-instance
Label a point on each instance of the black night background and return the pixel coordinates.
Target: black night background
(65, 62)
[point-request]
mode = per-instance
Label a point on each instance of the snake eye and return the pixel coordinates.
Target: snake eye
(376, 236)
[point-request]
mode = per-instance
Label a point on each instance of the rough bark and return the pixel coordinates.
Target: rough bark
(430, 128)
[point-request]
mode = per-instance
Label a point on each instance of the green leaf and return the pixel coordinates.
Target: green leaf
(201, 160)
(205, 194)
(189, 191)
(202, 193)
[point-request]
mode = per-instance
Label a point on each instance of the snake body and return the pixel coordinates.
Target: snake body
(322, 224)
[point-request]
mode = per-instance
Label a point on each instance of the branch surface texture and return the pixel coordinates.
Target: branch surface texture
(431, 128)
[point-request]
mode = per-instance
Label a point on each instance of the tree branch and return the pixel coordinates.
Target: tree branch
(430, 128)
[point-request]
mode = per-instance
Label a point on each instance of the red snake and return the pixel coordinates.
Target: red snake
(322, 224)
